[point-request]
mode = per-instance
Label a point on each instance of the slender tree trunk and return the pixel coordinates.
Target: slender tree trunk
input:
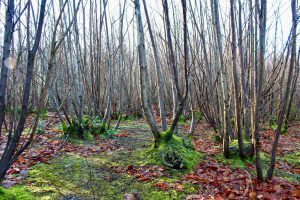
(224, 77)
(107, 114)
(260, 80)
(8, 155)
(158, 72)
(121, 66)
(294, 88)
(144, 83)
(8, 34)
(236, 81)
(286, 93)
(80, 87)
(245, 71)
(181, 96)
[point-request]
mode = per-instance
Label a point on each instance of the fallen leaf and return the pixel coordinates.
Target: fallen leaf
(252, 195)
(295, 193)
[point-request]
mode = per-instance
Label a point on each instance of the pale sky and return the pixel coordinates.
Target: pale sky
(282, 7)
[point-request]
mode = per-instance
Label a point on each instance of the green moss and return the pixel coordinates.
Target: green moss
(74, 139)
(86, 177)
(85, 128)
(94, 177)
(184, 119)
(16, 193)
(61, 177)
(216, 138)
(234, 148)
(167, 135)
(175, 149)
(274, 125)
(235, 161)
(235, 143)
(264, 157)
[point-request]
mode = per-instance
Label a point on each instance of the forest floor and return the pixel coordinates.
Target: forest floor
(117, 168)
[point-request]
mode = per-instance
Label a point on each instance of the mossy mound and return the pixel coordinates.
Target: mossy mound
(15, 193)
(173, 152)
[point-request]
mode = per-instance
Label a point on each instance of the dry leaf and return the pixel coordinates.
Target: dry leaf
(252, 195)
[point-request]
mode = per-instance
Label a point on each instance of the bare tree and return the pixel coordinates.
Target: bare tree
(11, 153)
(262, 7)
(284, 102)
(158, 72)
(236, 81)
(8, 34)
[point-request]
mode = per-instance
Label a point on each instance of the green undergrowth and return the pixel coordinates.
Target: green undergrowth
(184, 120)
(216, 138)
(16, 193)
(94, 178)
(85, 128)
(236, 162)
(274, 125)
(292, 158)
(234, 143)
(77, 140)
(81, 132)
(287, 175)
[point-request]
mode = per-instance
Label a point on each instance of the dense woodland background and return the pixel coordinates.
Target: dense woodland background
(233, 65)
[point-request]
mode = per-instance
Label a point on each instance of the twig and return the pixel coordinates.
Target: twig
(250, 180)
(63, 144)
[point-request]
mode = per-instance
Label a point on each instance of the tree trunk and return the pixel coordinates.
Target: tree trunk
(286, 93)
(260, 80)
(108, 109)
(144, 83)
(10, 149)
(236, 81)
(121, 66)
(158, 72)
(225, 104)
(8, 34)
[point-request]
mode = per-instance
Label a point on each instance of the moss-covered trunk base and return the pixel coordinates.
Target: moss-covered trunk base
(174, 152)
